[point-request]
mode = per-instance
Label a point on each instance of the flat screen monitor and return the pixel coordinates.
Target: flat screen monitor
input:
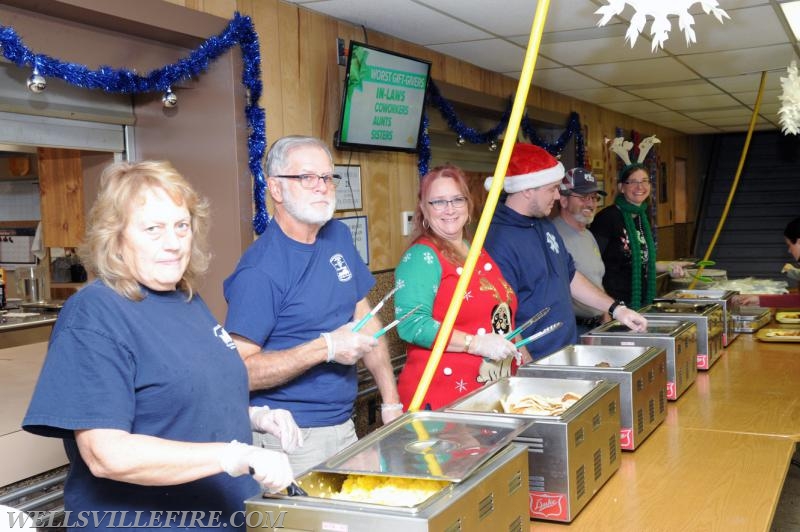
(383, 101)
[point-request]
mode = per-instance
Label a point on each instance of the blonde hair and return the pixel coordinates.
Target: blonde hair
(121, 185)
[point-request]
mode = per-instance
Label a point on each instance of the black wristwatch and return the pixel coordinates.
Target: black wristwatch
(614, 305)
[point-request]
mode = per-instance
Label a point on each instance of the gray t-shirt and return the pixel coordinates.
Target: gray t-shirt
(583, 248)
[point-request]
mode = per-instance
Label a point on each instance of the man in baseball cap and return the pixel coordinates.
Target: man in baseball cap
(580, 194)
(533, 257)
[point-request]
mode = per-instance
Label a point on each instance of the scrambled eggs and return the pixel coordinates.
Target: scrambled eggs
(389, 491)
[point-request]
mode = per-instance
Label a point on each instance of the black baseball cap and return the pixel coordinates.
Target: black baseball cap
(579, 181)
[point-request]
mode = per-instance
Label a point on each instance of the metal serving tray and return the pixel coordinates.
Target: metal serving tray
(571, 455)
(641, 373)
(709, 320)
(751, 319)
(492, 497)
(724, 298)
(677, 338)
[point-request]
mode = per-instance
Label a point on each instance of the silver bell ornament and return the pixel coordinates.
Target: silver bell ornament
(460, 141)
(493, 145)
(36, 82)
(170, 99)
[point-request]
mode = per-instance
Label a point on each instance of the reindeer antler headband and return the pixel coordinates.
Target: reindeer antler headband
(622, 148)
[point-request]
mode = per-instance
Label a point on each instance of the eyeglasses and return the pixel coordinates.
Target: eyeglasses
(645, 182)
(310, 181)
(441, 204)
(586, 198)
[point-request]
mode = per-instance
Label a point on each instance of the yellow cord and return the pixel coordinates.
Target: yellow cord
(735, 184)
(443, 338)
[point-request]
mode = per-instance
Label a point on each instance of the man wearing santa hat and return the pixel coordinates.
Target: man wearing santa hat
(533, 258)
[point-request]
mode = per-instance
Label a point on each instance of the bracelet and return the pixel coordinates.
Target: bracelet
(467, 342)
(329, 342)
(391, 406)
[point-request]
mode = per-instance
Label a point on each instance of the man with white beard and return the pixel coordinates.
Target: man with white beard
(292, 300)
(579, 197)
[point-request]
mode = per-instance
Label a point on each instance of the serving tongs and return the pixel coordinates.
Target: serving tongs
(363, 321)
(532, 338)
(536, 317)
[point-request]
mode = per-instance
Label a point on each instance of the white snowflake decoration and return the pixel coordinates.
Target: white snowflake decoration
(789, 113)
(659, 10)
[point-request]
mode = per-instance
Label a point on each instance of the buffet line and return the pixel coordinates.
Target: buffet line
(539, 445)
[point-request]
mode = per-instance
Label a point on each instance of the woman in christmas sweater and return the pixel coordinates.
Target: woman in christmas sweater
(427, 275)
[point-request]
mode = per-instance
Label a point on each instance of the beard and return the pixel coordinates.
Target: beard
(305, 212)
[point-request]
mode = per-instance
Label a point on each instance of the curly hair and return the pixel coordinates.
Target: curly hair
(122, 184)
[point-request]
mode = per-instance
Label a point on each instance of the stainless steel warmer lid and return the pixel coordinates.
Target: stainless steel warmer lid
(431, 445)
(662, 327)
(676, 308)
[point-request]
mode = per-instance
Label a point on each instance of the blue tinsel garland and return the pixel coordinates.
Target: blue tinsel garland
(473, 136)
(239, 31)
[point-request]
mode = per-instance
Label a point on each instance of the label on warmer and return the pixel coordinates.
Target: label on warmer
(626, 438)
(546, 505)
(671, 390)
(702, 361)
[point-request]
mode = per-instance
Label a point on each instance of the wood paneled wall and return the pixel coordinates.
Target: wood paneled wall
(302, 93)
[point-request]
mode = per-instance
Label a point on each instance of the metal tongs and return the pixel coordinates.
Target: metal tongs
(292, 490)
(536, 317)
(532, 338)
(363, 321)
(396, 322)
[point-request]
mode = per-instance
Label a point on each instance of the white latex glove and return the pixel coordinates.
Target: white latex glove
(492, 346)
(630, 318)
(390, 412)
(279, 423)
(677, 268)
(348, 347)
(271, 469)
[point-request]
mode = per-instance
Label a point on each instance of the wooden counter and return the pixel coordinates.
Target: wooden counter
(753, 388)
(687, 479)
(719, 460)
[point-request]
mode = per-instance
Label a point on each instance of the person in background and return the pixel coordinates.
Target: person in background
(291, 303)
(140, 381)
(791, 236)
(630, 262)
(579, 196)
(427, 274)
(533, 257)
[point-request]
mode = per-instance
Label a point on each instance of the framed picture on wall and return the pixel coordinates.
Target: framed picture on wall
(348, 192)
(358, 230)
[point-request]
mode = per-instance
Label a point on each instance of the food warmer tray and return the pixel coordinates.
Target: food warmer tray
(677, 338)
(473, 456)
(570, 456)
(751, 319)
(641, 373)
(709, 320)
(723, 298)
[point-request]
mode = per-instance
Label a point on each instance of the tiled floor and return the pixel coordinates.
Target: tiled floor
(787, 515)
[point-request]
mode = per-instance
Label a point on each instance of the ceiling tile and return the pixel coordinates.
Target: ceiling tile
(669, 90)
(720, 121)
(635, 108)
(704, 114)
(749, 98)
(700, 102)
(749, 82)
(515, 17)
(733, 62)
(561, 79)
(493, 54)
(660, 117)
(587, 52)
(650, 71)
(601, 95)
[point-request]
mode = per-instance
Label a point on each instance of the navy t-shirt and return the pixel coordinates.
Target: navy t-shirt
(284, 293)
(161, 366)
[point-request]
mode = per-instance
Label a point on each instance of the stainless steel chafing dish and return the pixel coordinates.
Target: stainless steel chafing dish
(708, 318)
(641, 373)
(480, 473)
(723, 298)
(677, 338)
(751, 319)
(570, 456)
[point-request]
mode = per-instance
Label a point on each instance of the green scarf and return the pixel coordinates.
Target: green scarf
(628, 210)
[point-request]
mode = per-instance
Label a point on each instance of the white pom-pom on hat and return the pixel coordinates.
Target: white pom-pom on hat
(529, 167)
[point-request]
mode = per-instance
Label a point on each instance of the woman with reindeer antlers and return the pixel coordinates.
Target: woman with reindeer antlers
(624, 234)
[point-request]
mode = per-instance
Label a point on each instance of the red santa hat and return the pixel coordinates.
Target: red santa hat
(529, 167)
